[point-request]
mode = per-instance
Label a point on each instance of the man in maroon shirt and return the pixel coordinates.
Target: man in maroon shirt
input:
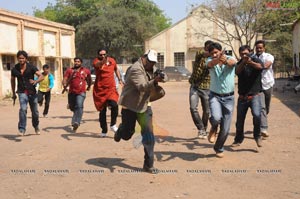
(79, 80)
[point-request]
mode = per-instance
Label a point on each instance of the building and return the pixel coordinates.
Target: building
(46, 42)
(177, 45)
(296, 46)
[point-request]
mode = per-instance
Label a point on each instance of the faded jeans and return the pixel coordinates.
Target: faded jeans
(221, 109)
(24, 99)
(265, 102)
(242, 108)
(195, 95)
(76, 105)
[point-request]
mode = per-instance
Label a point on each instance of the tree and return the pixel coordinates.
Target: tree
(118, 25)
(249, 19)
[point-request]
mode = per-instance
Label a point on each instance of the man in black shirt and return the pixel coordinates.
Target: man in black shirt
(24, 72)
(248, 71)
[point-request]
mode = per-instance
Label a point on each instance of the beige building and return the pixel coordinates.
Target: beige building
(177, 45)
(46, 42)
(296, 46)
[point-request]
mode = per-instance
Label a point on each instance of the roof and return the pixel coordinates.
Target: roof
(34, 19)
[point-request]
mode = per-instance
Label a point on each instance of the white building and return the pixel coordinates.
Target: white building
(296, 46)
(46, 42)
(177, 45)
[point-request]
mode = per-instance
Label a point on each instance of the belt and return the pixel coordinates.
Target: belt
(223, 95)
(247, 97)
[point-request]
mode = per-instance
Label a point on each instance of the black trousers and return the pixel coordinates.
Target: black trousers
(47, 100)
(127, 129)
(113, 112)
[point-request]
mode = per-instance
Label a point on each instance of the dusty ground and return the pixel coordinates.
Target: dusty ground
(60, 164)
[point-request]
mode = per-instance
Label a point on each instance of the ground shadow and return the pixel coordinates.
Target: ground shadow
(82, 135)
(15, 138)
(66, 128)
(111, 163)
(164, 156)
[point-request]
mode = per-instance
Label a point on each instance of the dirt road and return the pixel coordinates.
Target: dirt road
(60, 164)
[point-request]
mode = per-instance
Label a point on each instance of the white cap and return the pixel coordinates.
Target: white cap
(151, 55)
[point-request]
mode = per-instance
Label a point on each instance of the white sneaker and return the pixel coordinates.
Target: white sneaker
(202, 134)
(264, 133)
(103, 135)
(114, 128)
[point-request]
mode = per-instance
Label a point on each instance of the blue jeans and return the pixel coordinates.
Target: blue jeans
(221, 109)
(242, 108)
(265, 102)
(76, 105)
(195, 95)
(24, 99)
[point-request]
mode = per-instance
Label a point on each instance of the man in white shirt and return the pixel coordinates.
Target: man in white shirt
(267, 84)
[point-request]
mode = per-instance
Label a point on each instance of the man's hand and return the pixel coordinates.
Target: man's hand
(14, 97)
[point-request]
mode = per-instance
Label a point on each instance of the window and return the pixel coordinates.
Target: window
(51, 63)
(66, 64)
(160, 60)
(33, 61)
(179, 59)
(8, 62)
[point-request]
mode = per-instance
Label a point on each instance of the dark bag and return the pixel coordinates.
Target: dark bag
(157, 93)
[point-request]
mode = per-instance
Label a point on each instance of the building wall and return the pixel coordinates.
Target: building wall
(45, 42)
(184, 37)
(296, 45)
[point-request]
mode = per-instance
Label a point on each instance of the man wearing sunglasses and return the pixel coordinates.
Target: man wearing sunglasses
(105, 93)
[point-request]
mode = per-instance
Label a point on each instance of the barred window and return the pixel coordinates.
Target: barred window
(51, 63)
(179, 59)
(66, 64)
(33, 61)
(8, 62)
(160, 60)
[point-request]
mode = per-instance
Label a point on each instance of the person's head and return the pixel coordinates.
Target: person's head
(149, 59)
(77, 62)
(22, 56)
(244, 51)
(260, 47)
(102, 54)
(215, 50)
(206, 45)
(46, 68)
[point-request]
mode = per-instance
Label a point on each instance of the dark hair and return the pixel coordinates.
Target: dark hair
(22, 52)
(78, 58)
(46, 66)
(101, 50)
(244, 47)
(134, 59)
(207, 43)
(213, 46)
(260, 42)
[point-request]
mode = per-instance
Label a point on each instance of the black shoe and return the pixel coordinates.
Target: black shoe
(117, 137)
(37, 130)
(258, 142)
(75, 126)
(295, 90)
(151, 170)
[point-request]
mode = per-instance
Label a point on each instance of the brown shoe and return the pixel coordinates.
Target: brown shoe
(258, 142)
(264, 133)
(220, 155)
(212, 135)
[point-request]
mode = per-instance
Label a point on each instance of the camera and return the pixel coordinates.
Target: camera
(159, 73)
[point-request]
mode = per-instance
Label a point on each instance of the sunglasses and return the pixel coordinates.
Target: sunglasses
(102, 54)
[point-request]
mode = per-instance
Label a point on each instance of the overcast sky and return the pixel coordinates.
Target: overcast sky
(174, 9)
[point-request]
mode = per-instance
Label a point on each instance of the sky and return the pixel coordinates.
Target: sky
(174, 9)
